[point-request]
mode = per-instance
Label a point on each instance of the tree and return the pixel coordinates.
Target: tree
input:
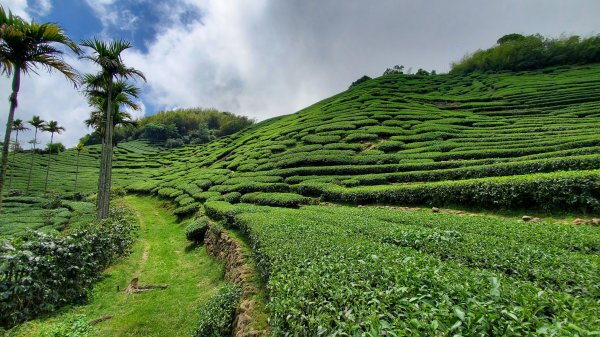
(363, 79)
(53, 128)
(396, 70)
(510, 38)
(80, 148)
(108, 57)
(17, 125)
(25, 47)
(123, 96)
(37, 124)
(159, 132)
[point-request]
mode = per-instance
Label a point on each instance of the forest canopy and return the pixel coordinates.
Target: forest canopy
(516, 52)
(175, 128)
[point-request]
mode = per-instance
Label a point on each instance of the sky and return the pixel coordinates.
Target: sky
(265, 58)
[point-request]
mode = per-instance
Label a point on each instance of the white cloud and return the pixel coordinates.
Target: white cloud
(43, 7)
(18, 7)
(113, 17)
(52, 97)
(26, 9)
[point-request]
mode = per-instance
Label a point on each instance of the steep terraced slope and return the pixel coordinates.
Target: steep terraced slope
(525, 140)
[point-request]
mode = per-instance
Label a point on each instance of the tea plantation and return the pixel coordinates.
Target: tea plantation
(517, 142)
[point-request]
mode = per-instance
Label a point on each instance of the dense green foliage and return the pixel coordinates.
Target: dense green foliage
(176, 128)
(275, 199)
(360, 80)
(45, 214)
(517, 52)
(196, 229)
(382, 271)
(216, 315)
(41, 272)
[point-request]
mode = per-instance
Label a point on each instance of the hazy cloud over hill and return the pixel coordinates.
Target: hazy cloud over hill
(266, 58)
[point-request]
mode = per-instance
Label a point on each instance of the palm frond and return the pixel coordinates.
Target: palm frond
(27, 46)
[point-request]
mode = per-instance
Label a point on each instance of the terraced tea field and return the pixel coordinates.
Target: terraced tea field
(525, 140)
(131, 159)
(42, 214)
(517, 142)
(501, 141)
(348, 271)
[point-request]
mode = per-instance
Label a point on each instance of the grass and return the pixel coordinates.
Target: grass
(161, 256)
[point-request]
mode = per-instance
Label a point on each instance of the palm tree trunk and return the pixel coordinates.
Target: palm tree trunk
(12, 162)
(76, 173)
(48, 166)
(16, 83)
(106, 161)
(31, 163)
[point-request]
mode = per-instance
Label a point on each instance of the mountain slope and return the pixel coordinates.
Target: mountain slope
(397, 138)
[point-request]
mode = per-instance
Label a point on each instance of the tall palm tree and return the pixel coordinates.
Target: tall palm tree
(24, 48)
(53, 128)
(17, 125)
(37, 124)
(123, 95)
(80, 148)
(108, 56)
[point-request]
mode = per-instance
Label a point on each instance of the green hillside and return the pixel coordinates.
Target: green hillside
(522, 142)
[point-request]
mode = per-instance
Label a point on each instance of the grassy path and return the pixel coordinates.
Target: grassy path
(159, 257)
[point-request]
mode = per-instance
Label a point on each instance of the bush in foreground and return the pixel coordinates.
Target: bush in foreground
(196, 229)
(216, 316)
(42, 272)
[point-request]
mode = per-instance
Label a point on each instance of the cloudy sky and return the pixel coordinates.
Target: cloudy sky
(264, 58)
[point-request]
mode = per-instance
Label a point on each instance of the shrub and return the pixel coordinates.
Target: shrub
(187, 209)
(196, 229)
(204, 196)
(217, 314)
(172, 143)
(390, 145)
(363, 79)
(321, 139)
(44, 272)
(233, 197)
(361, 137)
(518, 52)
(560, 190)
(275, 199)
(55, 148)
(117, 192)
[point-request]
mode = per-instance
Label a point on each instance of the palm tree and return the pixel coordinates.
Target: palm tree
(24, 48)
(108, 57)
(123, 95)
(17, 125)
(80, 148)
(53, 128)
(37, 124)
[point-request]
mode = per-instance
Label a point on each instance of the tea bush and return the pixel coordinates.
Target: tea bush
(196, 229)
(216, 315)
(385, 272)
(275, 199)
(43, 272)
